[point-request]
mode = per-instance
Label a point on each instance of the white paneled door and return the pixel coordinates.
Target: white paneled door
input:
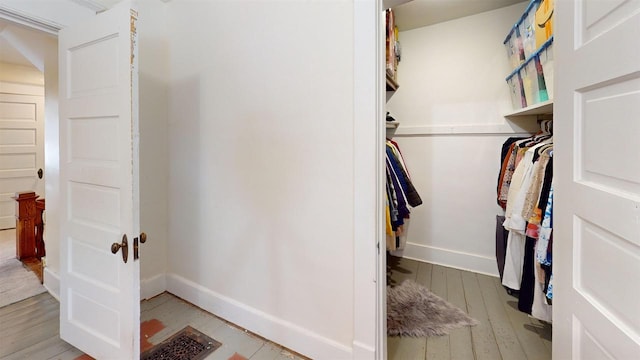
(596, 240)
(99, 290)
(21, 149)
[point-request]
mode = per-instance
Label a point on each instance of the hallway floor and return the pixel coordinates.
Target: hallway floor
(30, 330)
(18, 279)
(503, 333)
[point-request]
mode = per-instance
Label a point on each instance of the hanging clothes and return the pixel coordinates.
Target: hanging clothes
(514, 222)
(401, 196)
(525, 192)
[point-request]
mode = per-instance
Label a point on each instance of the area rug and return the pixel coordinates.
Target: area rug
(187, 344)
(17, 282)
(413, 310)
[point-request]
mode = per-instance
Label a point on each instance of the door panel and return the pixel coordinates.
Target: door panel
(99, 193)
(597, 169)
(21, 150)
(594, 155)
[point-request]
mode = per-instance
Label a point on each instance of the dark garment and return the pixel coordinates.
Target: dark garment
(393, 209)
(502, 235)
(547, 277)
(403, 211)
(546, 187)
(525, 301)
(413, 198)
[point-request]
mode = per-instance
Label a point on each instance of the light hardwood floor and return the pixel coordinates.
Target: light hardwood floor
(29, 330)
(504, 332)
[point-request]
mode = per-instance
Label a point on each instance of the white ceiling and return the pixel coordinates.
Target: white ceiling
(411, 15)
(419, 13)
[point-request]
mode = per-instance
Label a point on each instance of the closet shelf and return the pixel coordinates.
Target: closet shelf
(386, 4)
(542, 108)
(392, 85)
(392, 126)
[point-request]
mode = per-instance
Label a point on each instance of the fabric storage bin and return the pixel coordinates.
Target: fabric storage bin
(516, 91)
(527, 29)
(544, 21)
(546, 61)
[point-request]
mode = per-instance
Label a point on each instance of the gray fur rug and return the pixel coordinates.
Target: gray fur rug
(413, 310)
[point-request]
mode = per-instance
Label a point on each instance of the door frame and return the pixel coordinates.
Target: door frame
(369, 302)
(51, 280)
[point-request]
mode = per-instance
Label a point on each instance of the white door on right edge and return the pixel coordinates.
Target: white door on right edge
(596, 219)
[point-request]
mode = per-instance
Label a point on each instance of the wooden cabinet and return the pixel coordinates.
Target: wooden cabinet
(29, 225)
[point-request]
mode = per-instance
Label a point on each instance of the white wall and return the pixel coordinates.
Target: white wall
(450, 104)
(21, 74)
(153, 76)
(51, 166)
(261, 167)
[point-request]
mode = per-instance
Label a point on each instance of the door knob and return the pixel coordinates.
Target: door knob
(40, 173)
(136, 247)
(124, 246)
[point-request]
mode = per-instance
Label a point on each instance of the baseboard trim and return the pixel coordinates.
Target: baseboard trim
(270, 327)
(153, 286)
(451, 258)
(52, 283)
(363, 351)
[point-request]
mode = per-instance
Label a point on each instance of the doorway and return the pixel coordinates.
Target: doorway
(22, 114)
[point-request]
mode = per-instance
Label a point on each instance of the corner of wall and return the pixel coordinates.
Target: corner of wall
(52, 158)
(154, 146)
(52, 283)
(363, 351)
(153, 286)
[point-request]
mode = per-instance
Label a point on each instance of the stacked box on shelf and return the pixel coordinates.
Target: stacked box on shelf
(513, 45)
(520, 43)
(544, 21)
(527, 28)
(516, 90)
(529, 75)
(532, 82)
(545, 55)
(392, 46)
(529, 47)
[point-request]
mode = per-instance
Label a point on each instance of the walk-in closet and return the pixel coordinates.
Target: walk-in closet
(466, 98)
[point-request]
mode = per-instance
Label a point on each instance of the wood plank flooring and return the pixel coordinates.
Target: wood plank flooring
(29, 329)
(503, 333)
